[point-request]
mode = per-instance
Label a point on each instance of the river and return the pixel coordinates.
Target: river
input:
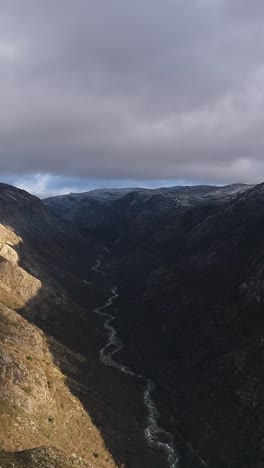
(156, 437)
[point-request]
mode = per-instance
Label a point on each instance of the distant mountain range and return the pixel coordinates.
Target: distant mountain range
(90, 209)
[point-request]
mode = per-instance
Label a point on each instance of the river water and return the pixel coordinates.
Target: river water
(156, 437)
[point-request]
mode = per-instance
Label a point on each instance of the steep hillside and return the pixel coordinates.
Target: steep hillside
(24, 212)
(60, 406)
(188, 263)
(191, 313)
(37, 406)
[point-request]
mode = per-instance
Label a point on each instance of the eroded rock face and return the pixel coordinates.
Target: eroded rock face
(9, 253)
(16, 285)
(23, 381)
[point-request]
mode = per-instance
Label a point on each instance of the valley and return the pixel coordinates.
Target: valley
(155, 436)
(132, 338)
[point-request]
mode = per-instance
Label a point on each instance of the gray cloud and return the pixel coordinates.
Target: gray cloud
(144, 89)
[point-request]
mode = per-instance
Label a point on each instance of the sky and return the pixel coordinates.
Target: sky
(104, 93)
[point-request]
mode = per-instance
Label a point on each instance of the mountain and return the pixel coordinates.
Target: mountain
(171, 362)
(84, 209)
(93, 209)
(59, 405)
(192, 316)
(34, 394)
(189, 265)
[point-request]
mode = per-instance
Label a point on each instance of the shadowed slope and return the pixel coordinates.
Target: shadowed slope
(54, 391)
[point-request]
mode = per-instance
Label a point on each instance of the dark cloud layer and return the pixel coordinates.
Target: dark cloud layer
(134, 90)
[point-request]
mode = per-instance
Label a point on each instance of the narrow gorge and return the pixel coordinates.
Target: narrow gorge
(155, 436)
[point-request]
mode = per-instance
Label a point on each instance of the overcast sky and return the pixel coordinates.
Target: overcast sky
(120, 92)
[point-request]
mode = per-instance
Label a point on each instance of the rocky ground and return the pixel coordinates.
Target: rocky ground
(37, 407)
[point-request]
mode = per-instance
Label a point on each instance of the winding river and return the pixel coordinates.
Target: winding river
(155, 436)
